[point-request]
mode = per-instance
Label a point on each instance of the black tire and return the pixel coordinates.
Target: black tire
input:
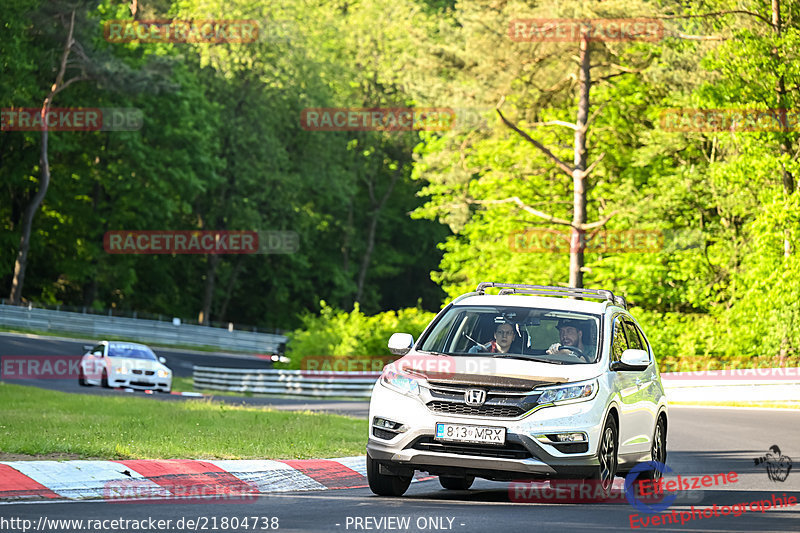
(606, 471)
(104, 379)
(383, 484)
(456, 483)
(658, 451)
(82, 379)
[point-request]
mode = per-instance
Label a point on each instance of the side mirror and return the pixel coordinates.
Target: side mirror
(400, 343)
(162, 360)
(632, 360)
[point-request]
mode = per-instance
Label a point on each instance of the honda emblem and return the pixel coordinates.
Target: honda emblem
(475, 397)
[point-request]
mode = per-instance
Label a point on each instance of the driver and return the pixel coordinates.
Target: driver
(504, 336)
(570, 333)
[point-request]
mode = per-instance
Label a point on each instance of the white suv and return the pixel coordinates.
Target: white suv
(519, 385)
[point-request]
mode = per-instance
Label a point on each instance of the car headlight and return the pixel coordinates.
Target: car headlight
(120, 370)
(400, 382)
(569, 393)
(163, 373)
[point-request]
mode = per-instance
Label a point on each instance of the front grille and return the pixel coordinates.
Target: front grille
(149, 372)
(138, 372)
(142, 384)
(452, 408)
(510, 450)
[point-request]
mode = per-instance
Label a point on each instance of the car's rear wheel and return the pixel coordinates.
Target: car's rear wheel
(658, 451)
(82, 379)
(384, 484)
(606, 470)
(456, 483)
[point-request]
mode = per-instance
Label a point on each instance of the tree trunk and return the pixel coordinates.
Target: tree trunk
(208, 294)
(362, 272)
(237, 267)
(21, 264)
(576, 259)
(780, 89)
(373, 225)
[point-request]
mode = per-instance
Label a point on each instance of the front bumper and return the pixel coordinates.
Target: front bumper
(140, 382)
(525, 456)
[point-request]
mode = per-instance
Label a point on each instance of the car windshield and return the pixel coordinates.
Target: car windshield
(131, 351)
(547, 335)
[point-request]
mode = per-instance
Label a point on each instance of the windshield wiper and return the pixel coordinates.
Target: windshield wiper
(528, 358)
(432, 353)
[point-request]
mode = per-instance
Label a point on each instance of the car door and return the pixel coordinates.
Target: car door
(647, 386)
(93, 363)
(634, 428)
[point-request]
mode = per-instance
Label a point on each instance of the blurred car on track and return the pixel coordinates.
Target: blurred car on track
(124, 364)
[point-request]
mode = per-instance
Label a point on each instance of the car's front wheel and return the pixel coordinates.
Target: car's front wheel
(384, 484)
(606, 470)
(104, 379)
(456, 483)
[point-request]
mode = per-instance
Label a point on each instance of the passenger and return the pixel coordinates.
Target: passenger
(504, 335)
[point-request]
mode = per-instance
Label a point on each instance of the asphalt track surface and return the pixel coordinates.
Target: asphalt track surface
(179, 360)
(700, 441)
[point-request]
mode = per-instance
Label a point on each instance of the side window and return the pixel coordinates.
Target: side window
(645, 342)
(97, 350)
(618, 338)
(634, 342)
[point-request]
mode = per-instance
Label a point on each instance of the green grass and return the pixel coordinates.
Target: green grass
(34, 421)
(187, 385)
(773, 405)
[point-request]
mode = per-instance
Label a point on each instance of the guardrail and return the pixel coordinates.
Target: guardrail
(679, 386)
(155, 331)
(295, 382)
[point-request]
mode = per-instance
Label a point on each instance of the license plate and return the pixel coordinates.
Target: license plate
(472, 434)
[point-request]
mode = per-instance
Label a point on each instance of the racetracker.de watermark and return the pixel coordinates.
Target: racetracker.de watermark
(571, 30)
(543, 240)
(360, 365)
(45, 367)
(71, 119)
(200, 242)
(377, 118)
(790, 373)
(181, 31)
(732, 120)
(185, 488)
(566, 491)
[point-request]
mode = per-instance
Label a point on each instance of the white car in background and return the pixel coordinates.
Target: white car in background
(124, 364)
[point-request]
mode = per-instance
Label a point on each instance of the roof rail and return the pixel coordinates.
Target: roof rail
(546, 290)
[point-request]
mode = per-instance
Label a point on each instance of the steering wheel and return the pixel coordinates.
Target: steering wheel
(574, 349)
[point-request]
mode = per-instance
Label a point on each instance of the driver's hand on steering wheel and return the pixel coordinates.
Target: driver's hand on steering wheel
(556, 348)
